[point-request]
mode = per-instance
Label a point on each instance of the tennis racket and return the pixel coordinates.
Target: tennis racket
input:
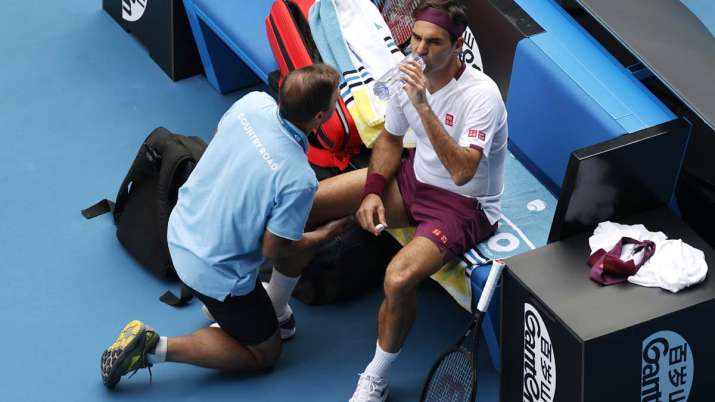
(398, 16)
(453, 377)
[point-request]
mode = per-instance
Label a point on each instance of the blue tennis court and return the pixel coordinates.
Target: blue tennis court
(78, 95)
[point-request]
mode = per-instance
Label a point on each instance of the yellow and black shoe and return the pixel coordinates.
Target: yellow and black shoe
(128, 353)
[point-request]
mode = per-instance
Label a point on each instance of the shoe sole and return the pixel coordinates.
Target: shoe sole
(128, 341)
(385, 395)
(287, 334)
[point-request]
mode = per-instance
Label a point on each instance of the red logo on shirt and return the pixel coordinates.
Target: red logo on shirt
(449, 120)
(474, 133)
(440, 236)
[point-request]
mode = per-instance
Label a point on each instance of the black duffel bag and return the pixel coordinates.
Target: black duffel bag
(147, 196)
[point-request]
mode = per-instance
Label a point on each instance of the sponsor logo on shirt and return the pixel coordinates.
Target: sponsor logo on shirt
(474, 133)
(256, 141)
(539, 381)
(440, 236)
(132, 10)
(667, 367)
(449, 120)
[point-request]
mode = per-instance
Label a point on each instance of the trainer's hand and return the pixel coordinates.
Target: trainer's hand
(333, 228)
(370, 209)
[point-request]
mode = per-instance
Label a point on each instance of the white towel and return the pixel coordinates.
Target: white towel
(674, 266)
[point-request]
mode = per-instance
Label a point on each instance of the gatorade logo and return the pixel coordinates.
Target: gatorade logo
(539, 381)
(132, 10)
(667, 368)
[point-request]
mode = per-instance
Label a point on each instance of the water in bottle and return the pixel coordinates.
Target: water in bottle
(391, 82)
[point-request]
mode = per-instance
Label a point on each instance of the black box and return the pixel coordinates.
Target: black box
(567, 339)
(161, 26)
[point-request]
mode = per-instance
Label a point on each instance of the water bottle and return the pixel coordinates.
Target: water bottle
(391, 82)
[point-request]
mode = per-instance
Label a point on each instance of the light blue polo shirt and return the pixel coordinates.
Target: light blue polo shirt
(253, 176)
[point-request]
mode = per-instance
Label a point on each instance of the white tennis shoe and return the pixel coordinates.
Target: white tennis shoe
(370, 389)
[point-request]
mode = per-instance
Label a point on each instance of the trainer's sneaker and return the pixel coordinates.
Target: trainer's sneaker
(128, 353)
(370, 389)
(286, 322)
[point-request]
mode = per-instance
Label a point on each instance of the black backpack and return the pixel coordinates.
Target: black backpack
(345, 267)
(147, 196)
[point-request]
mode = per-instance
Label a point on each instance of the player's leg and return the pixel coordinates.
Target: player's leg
(419, 259)
(337, 197)
(341, 195)
(413, 264)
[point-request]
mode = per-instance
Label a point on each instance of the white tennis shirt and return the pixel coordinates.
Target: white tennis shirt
(472, 112)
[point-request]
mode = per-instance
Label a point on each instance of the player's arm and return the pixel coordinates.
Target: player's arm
(460, 162)
(386, 155)
(384, 162)
(276, 247)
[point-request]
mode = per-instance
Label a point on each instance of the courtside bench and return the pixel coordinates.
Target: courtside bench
(232, 42)
(563, 90)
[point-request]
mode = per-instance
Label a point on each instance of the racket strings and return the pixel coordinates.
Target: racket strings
(398, 15)
(453, 380)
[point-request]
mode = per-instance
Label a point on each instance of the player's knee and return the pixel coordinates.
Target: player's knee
(398, 279)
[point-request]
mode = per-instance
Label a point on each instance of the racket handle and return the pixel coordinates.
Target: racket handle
(488, 291)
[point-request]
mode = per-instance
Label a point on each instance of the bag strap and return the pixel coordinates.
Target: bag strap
(324, 158)
(170, 298)
(100, 208)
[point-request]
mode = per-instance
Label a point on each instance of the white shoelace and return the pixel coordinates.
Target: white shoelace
(368, 387)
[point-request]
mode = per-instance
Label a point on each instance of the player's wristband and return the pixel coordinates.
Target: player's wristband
(374, 184)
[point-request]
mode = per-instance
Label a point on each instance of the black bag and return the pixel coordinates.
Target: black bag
(345, 267)
(147, 196)
(348, 265)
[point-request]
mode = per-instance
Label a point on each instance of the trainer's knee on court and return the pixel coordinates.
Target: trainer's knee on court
(266, 354)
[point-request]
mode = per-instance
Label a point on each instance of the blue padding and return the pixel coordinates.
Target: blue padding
(490, 321)
(704, 10)
(550, 115)
(567, 92)
(232, 42)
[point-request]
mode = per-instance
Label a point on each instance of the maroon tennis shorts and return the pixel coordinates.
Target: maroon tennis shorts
(453, 222)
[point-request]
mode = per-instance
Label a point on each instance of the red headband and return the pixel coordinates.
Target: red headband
(440, 18)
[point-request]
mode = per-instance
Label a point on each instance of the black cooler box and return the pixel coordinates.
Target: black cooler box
(161, 26)
(566, 338)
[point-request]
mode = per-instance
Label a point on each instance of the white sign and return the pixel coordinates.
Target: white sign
(470, 51)
(132, 10)
(667, 368)
(539, 382)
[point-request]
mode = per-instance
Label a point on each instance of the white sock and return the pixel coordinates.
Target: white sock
(159, 354)
(279, 290)
(381, 362)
